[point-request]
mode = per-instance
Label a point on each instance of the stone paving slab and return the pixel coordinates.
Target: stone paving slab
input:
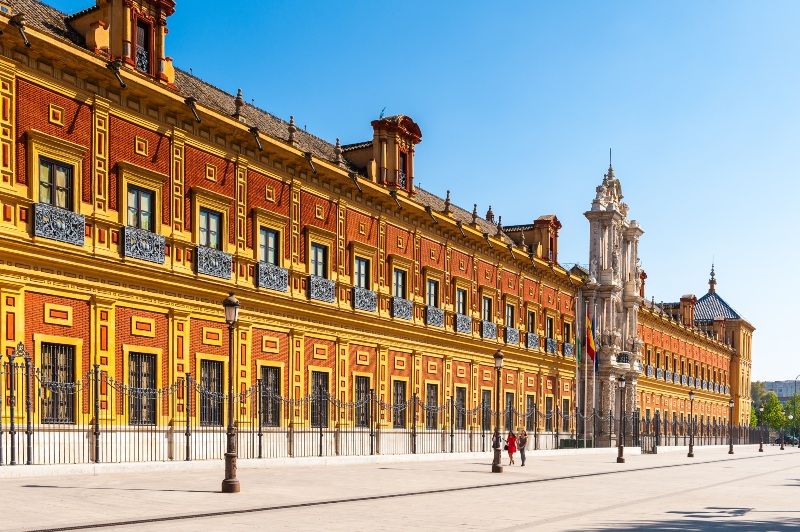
(749, 490)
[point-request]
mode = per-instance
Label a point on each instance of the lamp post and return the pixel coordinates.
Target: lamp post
(230, 484)
(691, 425)
(621, 435)
(761, 422)
(730, 427)
(498, 366)
(783, 435)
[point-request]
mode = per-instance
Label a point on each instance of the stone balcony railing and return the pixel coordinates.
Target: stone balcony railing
(434, 316)
(569, 350)
(364, 299)
(321, 289)
(512, 336)
(488, 330)
(58, 224)
(214, 262)
(401, 308)
(532, 340)
(551, 346)
(143, 245)
(272, 277)
(463, 323)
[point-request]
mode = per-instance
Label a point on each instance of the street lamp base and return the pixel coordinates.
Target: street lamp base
(497, 468)
(761, 447)
(230, 485)
(620, 460)
(730, 452)
(690, 455)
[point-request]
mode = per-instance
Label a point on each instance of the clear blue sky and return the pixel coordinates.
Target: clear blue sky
(519, 103)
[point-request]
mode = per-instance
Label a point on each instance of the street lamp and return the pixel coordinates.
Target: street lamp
(761, 422)
(691, 425)
(730, 427)
(621, 435)
(498, 366)
(230, 484)
(791, 417)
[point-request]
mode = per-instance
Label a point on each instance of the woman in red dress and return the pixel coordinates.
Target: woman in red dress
(511, 441)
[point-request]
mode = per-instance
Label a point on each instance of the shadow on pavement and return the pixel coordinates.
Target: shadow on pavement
(112, 489)
(714, 519)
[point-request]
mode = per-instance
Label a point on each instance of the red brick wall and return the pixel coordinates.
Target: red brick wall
(328, 362)
(81, 327)
(428, 249)
(159, 341)
(457, 258)
(487, 274)
(225, 184)
(530, 290)
(308, 217)
(281, 356)
(196, 344)
(33, 112)
(257, 184)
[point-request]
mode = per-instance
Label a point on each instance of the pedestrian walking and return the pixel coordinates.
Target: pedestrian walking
(522, 442)
(511, 442)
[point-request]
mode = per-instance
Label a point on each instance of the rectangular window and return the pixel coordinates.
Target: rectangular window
(140, 208)
(548, 414)
(461, 301)
(361, 274)
(431, 406)
(565, 415)
(142, 389)
(362, 401)
(432, 293)
(143, 52)
(568, 333)
(319, 403)
(58, 383)
(486, 309)
(549, 328)
(210, 228)
(269, 246)
(461, 408)
(55, 183)
(486, 410)
(510, 315)
(211, 395)
(319, 260)
(531, 321)
(399, 286)
(400, 406)
(530, 412)
(271, 396)
(509, 411)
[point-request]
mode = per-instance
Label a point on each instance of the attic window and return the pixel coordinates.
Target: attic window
(144, 51)
(402, 170)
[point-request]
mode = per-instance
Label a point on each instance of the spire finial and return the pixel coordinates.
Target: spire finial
(447, 203)
(499, 225)
(490, 215)
(292, 129)
(474, 214)
(522, 241)
(610, 167)
(338, 151)
(712, 283)
(238, 102)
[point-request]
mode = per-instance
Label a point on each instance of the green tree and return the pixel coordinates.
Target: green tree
(793, 407)
(754, 421)
(773, 416)
(758, 393)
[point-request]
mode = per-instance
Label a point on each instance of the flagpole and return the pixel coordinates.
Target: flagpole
(594, 370)
(585, 369)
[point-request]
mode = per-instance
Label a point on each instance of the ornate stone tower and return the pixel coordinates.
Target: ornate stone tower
(613, 296)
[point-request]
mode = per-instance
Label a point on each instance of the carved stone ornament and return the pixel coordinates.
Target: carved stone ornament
(434, 316)
(144, 245)
(401, 308)
(321, 289)
(272, 277)
(532, 340)
(512, 336)
(488, 330)
(463, 323)
(364, 299)
(58, 224)
(214, 262)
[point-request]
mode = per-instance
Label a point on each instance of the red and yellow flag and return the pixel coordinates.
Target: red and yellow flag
(590, 347)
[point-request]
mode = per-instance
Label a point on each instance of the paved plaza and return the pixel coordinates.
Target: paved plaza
(714, 491)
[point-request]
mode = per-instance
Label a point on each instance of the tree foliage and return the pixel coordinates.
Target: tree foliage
(773, 416)
(758, 393)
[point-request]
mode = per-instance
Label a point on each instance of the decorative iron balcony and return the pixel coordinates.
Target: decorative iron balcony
(272, 277)
(144, 245)
(402, 180)
(213, 262)
(683, 380)
(638, 366)
(623, 358)
(463, 323)
(659, 373)
(716, 387)
(434, 316)
(651, 371)
(705, 385)
(668, 376)
(488, 330)
(58, 224)
(532, 340)
(691, 382)
(512, 336)
(401, 308)
(364, 299)
(551, 345)
(321, 289)
(569, 350)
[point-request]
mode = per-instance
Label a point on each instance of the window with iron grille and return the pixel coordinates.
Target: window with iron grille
(399, 404)
(431, 406)
(548, 410)
(211, 396)
(362, 279)
(461, 301)
(362, 401)
(486, 410)
(509, 411)
(565, 415)
(530, 412)
(461, 408)
(55, 183)
(143, 52)
(58, 383)
(271, 396)
(269, 246)
(319, 403)
(142, 389)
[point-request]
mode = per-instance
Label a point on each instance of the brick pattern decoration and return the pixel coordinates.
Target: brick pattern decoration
(260, 188)
(33, 112)
(126, 336)
(432, 255)
(224, 183)
(272, 346)
(487, 275)
(34, 324)
(317, 212)
(321, 353)
(196, 344)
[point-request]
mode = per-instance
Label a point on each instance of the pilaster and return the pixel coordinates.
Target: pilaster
(178, 165)
(296, 365)
(100, 155)
(12, 318)
(8, 120)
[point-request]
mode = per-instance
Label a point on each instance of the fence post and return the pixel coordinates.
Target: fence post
(29, 425)
(319, 416)
(259, 413)
(188, 408)
(2, 461)
(370, 421)
(594, 427)
(13, 405)
(575, 429)
(610, 426)
(97, 413)
(452, 420)
(535, 427)
(414, 426)
(657, 439)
